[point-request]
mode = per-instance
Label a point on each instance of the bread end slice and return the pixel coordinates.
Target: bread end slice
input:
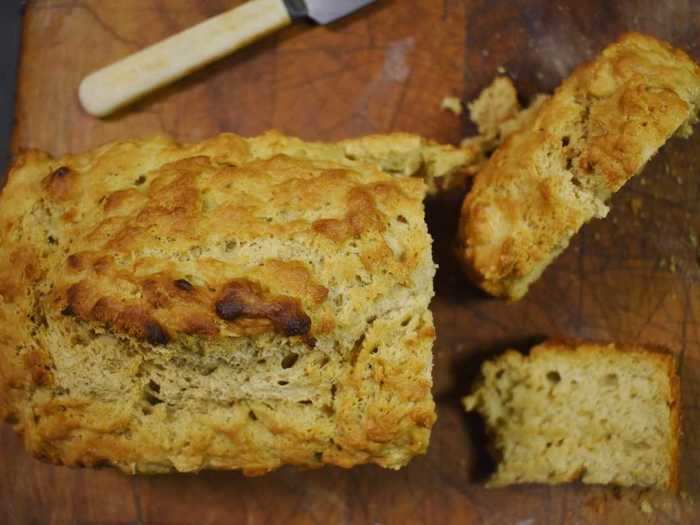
(598, 413)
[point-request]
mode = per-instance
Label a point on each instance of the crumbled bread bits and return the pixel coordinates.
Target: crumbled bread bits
(452, 104)
(636, 205)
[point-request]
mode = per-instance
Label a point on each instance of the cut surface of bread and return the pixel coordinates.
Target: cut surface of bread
(599, 413)
(233, 304)
(598, 130)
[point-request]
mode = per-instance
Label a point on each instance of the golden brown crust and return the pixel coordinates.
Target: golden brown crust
(598, 130)
(656, 352)
(168, 211)
(270, 292)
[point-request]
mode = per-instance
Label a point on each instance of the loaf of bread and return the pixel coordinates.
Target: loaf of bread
(558, 172)
(233, 304)
(590, 412)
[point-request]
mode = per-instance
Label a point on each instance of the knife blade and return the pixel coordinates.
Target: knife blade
(324, 11)
(10, 27)
(119, 84)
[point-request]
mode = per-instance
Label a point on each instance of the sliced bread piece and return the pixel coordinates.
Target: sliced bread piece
(599, 413)
(558, 172)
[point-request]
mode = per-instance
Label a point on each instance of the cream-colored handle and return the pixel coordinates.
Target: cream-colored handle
(123, 82)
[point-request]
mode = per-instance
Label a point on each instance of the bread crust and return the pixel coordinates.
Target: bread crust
(598, 130)
(233, 304)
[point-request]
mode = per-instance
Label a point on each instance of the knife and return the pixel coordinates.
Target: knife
(129, 79)
(10, 26)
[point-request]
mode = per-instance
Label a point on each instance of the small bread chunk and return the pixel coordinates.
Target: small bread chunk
(497, 114)
(496, 104)
(452, 104)
(233, 304)
(591, 412)
(599, 129)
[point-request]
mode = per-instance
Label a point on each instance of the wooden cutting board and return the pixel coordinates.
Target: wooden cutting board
(633, 277)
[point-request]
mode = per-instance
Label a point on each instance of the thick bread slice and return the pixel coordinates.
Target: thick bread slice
(598, 130)
(233, 304)
(594, 412)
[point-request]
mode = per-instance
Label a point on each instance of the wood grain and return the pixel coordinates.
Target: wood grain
(632, 277)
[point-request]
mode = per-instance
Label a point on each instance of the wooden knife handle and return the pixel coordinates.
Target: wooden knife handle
(118, 84)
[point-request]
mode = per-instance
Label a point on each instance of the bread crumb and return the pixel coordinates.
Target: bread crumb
(501, 70)
(452, 104)
(673, 264)
(636, 205)
(693, 238)
(646, 507)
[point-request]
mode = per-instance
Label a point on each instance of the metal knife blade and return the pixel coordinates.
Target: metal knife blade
(324, 11)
